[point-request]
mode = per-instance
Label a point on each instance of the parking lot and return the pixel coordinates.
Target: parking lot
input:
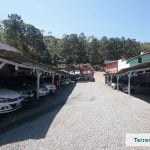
(94, 117)
(35, 108)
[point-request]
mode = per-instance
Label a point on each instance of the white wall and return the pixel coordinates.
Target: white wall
(122, 64)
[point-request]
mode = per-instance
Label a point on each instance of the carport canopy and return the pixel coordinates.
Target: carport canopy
(141, 68)
(11, 56)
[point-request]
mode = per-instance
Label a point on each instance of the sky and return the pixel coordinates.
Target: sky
(111, 18)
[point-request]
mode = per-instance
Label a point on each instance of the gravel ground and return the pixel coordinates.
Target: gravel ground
(33, 109)
(95, 117)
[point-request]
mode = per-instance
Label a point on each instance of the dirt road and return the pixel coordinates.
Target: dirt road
(99, 77)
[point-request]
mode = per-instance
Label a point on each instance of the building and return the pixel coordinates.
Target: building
(135, 70)
(122, 64)
(143, 58)
(117, 65)
(111, 66)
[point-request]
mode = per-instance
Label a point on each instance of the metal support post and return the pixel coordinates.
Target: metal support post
(129, 84)
(53, 78)
(111, 76)
(2, 65)
(38, 83)
(59, 80)
(117, 82)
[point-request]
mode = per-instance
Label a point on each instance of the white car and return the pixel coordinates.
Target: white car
(27, 94)
(65, 82)
(51, 87)
(10, 100)
(142, 88)
(71, 72)
(120, 85)
(114, 85)
(77, 72)
(43, 91)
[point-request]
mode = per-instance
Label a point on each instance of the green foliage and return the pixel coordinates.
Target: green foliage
(94, 50)
(13, 30)
(83, 49)
(145, 47)
(25, 37)
(1, 33)
(54, 48)
(71, 48)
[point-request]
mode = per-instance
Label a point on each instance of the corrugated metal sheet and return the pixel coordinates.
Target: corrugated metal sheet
(10, 53)
(7, 47)
(136, 67)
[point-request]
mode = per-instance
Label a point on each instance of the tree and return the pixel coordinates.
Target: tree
(131, 48)
(145, 47)
(82, 49)
(54, 48)
(94, 50)
(25, 37)
(1, 33)
(70, 48)
(13, 30)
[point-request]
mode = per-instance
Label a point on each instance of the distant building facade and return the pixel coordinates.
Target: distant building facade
(122, 64)
(143, 58)
(111, 66)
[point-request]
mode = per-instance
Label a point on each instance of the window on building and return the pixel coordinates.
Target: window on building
(140, 60)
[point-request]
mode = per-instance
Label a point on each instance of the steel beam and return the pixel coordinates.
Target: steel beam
(38, 83)
(2, 65)
(129, 83)
(118, 82)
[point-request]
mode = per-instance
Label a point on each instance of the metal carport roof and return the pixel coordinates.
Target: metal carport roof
(140, 67)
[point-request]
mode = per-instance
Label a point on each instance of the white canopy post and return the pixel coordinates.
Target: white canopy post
(2, 65)
(111, 76)
(53, 75)
(118, 82)
(129, 84)
(59, 80)
(106, 77)
(38, 83)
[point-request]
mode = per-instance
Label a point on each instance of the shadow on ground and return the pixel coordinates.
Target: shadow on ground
(143, 97)
(32, 111)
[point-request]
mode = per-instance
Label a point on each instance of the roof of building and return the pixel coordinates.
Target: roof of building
(109, 61)
(7, 47)
(142, 66)
(11, 55)
(139, 55)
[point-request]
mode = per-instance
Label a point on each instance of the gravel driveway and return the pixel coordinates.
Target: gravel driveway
(95, 117)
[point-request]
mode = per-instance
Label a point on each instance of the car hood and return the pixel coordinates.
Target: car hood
(49, 85)
(6, 93)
